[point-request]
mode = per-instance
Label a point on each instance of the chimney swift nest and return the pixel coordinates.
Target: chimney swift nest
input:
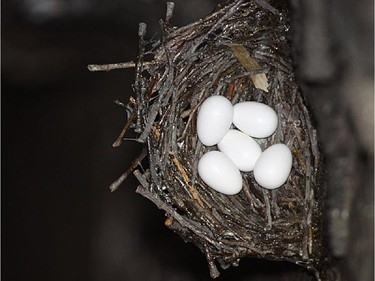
(240, 51)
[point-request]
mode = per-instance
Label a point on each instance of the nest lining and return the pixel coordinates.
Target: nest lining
(191, 63)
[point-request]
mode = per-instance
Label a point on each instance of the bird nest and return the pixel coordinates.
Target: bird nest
(239, 51)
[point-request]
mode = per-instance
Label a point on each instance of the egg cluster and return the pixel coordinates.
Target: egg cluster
(238, 150)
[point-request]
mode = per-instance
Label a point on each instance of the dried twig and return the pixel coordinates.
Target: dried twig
(123, 131)
(114, 186)
(112, 66)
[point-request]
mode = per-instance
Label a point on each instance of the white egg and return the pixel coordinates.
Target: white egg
(214, 119)
(273, 166)
(242, 149)
(255, 119)
(220, 173)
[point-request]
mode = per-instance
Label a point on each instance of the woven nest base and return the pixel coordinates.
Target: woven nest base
(239, 51)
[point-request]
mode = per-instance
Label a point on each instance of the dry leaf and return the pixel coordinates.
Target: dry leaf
(260, 80)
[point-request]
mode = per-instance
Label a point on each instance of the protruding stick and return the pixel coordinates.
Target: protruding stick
(112, 66)
(114, 186)
(118, 141)
(169, 14)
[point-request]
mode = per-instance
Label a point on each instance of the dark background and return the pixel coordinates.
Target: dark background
(59, 220)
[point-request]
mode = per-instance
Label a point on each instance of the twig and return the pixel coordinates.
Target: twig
(119, 139)
(187, 181)
(112, 66)
(268, 209)
(185, 222)
(214, 272)
(114, 186)
(169, 14)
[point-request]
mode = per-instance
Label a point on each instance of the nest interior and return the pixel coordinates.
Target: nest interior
(240, 51)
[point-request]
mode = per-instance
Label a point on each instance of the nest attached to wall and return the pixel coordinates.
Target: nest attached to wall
(239, 51)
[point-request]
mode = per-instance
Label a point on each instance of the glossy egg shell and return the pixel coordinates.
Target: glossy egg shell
(273, 166)
(214, 119)
(242, 149)
(255, 119)
(220, 173)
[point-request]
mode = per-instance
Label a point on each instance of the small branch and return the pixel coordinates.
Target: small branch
(230, 12)
(169, 14)
(268, 7)
(114, 186)
(120, 103)
(214, 272)
(182, 220)
(193, 191)
(139, 84)
(118, 141)
(112, 66)
(268, 209)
